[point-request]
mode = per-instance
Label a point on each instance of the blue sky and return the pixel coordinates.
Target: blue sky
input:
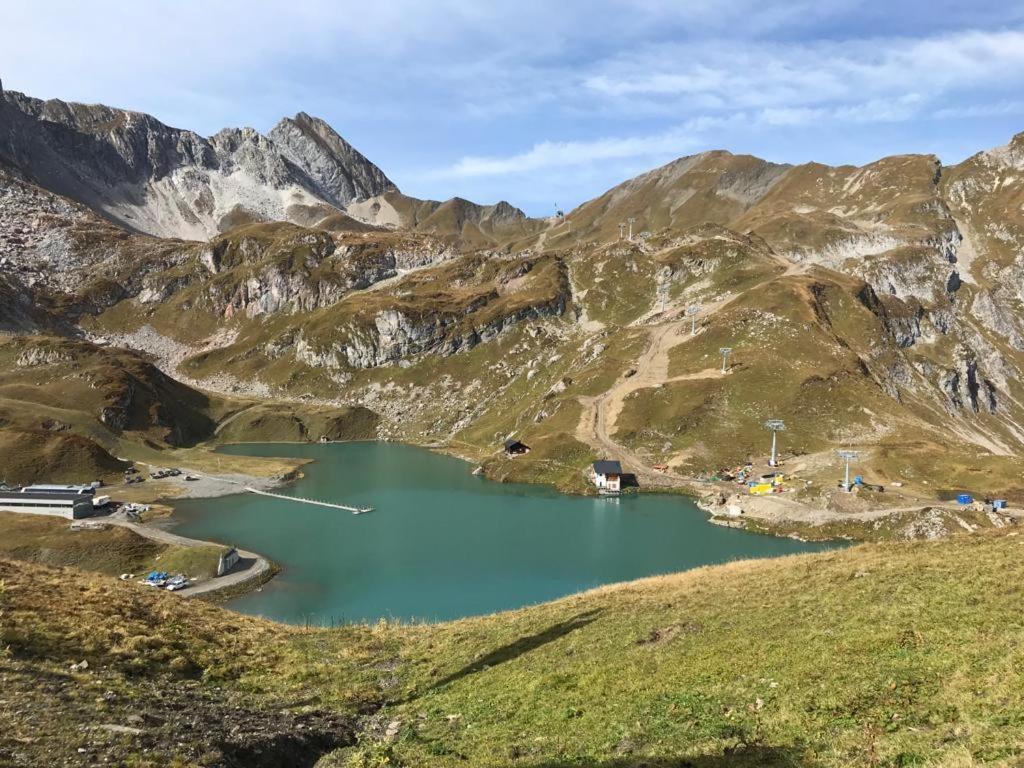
(545, 103)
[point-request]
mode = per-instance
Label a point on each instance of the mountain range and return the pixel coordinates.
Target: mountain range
(878, 307)
(167, 182)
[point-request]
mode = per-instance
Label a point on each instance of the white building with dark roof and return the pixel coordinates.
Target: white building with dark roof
(73, 506)
(608, 476)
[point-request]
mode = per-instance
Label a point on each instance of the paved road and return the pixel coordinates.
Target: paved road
(254, 566)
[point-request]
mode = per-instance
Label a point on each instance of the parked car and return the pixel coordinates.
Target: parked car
(176, 583)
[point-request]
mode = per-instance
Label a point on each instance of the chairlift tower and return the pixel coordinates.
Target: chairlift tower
(847, 456)
(725, 358)
(663, 295)
(693, 311)
(622, 229)
(631, 221)
(776, 426)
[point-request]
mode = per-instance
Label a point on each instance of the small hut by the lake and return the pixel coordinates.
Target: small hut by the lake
(515, 448)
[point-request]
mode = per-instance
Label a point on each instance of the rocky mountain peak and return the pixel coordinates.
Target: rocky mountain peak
(341, 173)
(164, 181)
(504, 211)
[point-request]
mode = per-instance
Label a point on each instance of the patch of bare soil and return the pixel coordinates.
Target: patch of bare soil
(150, 723)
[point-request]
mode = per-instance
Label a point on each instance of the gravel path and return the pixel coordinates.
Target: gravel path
(232, 417)
(209, 486)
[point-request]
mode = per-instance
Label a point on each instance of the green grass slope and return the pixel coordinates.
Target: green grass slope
(284, 422)
(30, 456)
(898, 655)
(881, 655)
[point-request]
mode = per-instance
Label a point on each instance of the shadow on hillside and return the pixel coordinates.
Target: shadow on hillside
(751, 757)
(520, 646)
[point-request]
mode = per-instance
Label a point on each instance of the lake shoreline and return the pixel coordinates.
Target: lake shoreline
(219, 486)
(661, 533)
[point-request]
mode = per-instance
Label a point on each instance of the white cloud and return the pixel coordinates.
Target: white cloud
(874, 111)
(792, 75)
(993, 109)
(562, 154)
(775, 86)
(502, 94)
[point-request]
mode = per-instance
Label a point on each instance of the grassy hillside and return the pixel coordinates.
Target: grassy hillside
(69, 408)
(285, 422)
(882, 655)
(468, 224)
(34, 455)
(113, 551)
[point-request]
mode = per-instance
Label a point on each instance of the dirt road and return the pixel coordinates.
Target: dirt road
(601, 413)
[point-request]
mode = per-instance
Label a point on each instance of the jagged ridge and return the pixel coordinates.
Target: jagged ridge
(169, 182)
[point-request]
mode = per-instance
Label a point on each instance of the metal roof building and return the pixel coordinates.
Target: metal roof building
(73, 506)
(607, 468)
(45, 488)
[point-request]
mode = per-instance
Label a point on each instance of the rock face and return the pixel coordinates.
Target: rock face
(264, 269)
(342, 174)
(370, 335)
(395, 337)
(169, 182)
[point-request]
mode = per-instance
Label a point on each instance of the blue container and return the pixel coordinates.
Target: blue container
(999, 504)
(858, 480)
(964, 498)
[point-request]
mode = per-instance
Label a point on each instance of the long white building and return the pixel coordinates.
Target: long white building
(73, 506)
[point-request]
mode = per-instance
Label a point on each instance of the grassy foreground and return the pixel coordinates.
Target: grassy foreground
(883, 654)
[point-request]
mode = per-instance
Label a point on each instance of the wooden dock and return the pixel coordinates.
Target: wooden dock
(330, 504)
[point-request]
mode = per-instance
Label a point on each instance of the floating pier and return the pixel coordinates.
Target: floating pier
(331, 504)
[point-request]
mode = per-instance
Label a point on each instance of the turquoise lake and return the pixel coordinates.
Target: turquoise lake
(443, 544)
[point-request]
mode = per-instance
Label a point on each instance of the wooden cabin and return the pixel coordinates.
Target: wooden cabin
(515, 448)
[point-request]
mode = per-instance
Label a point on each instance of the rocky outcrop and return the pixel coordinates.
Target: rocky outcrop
(397, 336)
(966, 387)
(35, 356)
(57, 255)
(275, 290)
(282, 268)
(994, 310)
(115, 417)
